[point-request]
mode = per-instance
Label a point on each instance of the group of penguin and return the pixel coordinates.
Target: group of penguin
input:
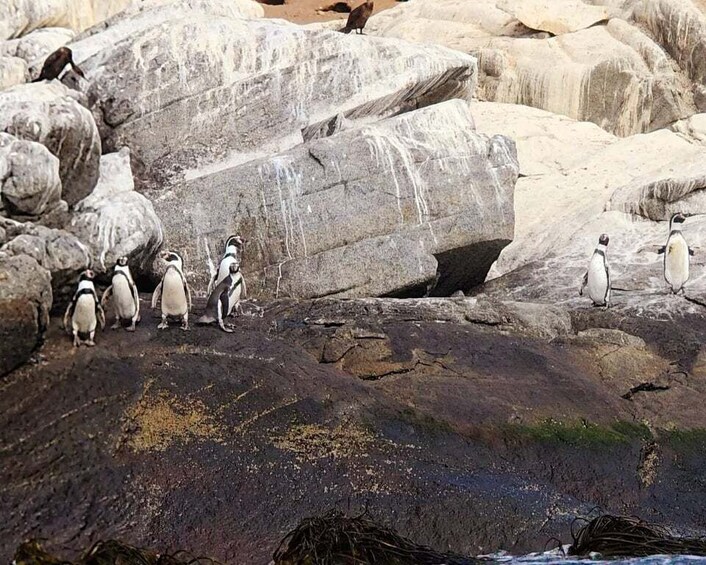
(173, 295)
(675, 266)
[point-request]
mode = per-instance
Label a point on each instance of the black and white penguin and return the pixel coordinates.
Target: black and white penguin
(174, 292)
(597, 278)
(84, 313)
(220, 299)
(123, 291)
(676, 255)
(232, 255)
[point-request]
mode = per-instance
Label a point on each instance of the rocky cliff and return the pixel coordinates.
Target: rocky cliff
(476, 147)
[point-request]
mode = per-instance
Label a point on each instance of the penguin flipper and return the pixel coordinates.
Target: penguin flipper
(136, 298)
(212, 284)
(68, 315)
(188, 295)
(156, 294)
(583, 284)
(106, 296)
(100, 315)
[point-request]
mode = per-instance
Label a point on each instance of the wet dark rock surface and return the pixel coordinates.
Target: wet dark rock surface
(466, 425)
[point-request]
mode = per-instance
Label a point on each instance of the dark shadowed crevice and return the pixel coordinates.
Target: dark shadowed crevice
(466, 267)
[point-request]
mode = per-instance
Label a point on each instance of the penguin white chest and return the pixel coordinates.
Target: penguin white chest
(224, 268)
(173, 294)
(84, 318)
(676, 261)
(123, 298)
(598, 281)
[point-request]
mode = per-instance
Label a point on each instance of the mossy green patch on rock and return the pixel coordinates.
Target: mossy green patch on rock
(576, 433)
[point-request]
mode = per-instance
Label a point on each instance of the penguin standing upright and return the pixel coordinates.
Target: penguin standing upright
(123, 291)
(84, 312)
(232, 255)
(174, 292)
(676, 255)
(597, 278)
(220, 299)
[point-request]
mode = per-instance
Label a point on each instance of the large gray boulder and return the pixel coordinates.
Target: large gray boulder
(48, 114)
(58, 251)
(601, 66)
(115, 220)
(25, 301)
(29, 178)
(218, 86)
(373, 210)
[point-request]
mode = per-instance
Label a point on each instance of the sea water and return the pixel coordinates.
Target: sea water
(559, 557)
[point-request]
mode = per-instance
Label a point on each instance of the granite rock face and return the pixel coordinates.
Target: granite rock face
(25, 301)
(239, 86)
(600, 66)
(375, 210)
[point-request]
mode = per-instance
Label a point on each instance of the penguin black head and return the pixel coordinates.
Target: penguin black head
(174, 258)
(122, 261)
(87, 275)
(604, 239)
(678, 218)
(236, 240)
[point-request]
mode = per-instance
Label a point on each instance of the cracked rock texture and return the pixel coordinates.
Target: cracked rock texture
(374, 210)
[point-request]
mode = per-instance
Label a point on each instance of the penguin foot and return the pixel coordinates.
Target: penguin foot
(228, 328)
(116, 325)
(90, 343)
(185, 327)
(130, 328)
(162, 326)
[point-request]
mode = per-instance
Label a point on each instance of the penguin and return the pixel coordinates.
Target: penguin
(123, 291)
(84, 312)
(597, 278)
(359, 17)
(56, 62)
(174, 292)
(676, 255)
(219, 301)
(232, 255)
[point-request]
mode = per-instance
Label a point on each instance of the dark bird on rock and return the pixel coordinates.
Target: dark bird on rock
(359, 17)
(56, 62)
